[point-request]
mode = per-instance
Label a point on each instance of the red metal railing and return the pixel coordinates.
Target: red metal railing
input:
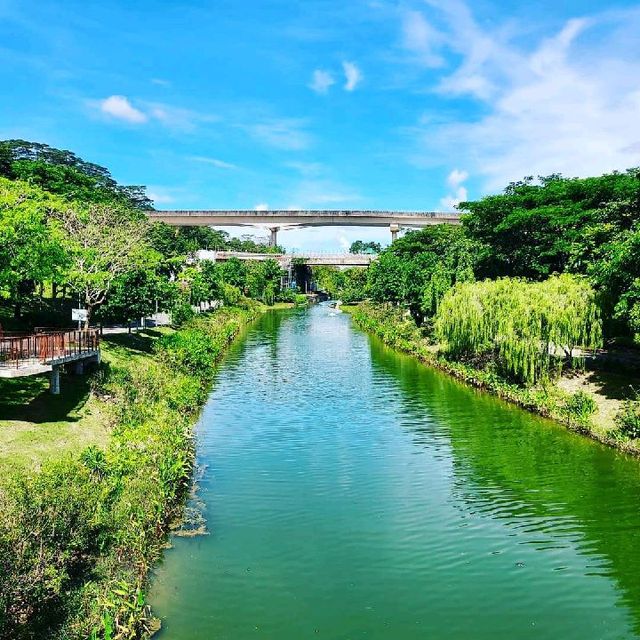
(46, 346)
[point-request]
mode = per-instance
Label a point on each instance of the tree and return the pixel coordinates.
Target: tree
(519, 324)
(263, 280)
(104, 242)
(365, 247)
(135, 294)
(31, 241)
(64, 173)
(534, 230)
(417, 269)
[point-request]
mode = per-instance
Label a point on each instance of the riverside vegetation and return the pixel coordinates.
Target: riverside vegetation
(534, 280)
(509, 301)
(80, 528)
(78, 536)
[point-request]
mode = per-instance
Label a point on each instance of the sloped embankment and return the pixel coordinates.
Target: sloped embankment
(78, 536)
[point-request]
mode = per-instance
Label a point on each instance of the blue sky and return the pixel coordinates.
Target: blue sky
(325, 104)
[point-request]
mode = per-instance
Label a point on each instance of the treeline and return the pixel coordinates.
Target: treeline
(69, 233)
(533, 272)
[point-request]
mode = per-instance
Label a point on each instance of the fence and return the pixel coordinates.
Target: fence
(46, 346)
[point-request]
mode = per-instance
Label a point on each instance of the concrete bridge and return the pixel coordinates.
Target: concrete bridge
(286, 260)
(277, 219)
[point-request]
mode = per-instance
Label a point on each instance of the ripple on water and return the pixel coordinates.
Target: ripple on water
(353, 493)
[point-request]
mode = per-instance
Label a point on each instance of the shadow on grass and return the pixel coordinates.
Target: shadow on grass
(142, 342)
(28, 399)
(614, 385)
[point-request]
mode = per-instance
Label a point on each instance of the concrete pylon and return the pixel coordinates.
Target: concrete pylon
(273, 238)
(394, 228)
(54, 380)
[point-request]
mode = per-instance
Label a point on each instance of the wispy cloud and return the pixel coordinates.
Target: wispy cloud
(120, 108)
(159, 195)
(421, 39)
(283, 133)
(321, 81)
(568, 103)
(459, 192)
(263, 206)
(178, 117)
(352, 75)
(220, 164)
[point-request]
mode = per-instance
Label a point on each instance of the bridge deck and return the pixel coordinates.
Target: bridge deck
(304, 218)
(310, 259)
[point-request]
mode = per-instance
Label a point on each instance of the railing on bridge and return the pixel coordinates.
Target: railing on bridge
(46, 346)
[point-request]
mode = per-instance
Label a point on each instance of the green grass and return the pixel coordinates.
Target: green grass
(36, 426)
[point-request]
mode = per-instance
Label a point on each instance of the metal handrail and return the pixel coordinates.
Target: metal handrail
(47, 346)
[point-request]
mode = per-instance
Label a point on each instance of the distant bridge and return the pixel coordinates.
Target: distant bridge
(280, 218)
(286, 260)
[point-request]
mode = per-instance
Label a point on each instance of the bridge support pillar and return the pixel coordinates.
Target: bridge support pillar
(273, 238)
(78, 368)
(394, 228)
(54, 380)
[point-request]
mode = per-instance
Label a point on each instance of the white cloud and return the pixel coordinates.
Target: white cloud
(263, 206)
(456, 178)
(288, 134)
(569, 103)
(419, 37)
(160, 82)
(352, 75)
(321, 81)
(159, 196)
(120, 108)
(459, 192)
(220, 164)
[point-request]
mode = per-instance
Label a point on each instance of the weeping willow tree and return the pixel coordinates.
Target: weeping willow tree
(522, 325)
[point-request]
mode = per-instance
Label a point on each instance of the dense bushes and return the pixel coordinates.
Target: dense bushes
(77, 538)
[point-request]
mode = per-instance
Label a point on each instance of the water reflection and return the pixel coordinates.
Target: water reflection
(352, 493)
(554, 489)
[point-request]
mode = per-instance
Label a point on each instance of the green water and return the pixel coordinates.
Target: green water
(353, 493)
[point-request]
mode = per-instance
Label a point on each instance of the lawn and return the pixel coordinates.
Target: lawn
(35, 425)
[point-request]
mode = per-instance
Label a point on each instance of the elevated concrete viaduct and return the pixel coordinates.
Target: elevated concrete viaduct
(278, 219)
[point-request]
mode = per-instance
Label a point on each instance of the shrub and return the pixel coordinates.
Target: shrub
(628, 419)
(579, 407)
(181, 312)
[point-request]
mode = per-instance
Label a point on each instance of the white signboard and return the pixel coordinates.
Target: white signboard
(79, 314)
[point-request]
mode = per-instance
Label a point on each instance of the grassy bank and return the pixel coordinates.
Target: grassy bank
(566, 400)
(80, 530)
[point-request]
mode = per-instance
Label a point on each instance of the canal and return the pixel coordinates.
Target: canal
(351, 492)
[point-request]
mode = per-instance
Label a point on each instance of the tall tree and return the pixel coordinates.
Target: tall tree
(64, 173)
(104, 242)
(31, 242)
(359, 246)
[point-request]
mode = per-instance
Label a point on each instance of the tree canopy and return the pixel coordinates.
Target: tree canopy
(64, 173)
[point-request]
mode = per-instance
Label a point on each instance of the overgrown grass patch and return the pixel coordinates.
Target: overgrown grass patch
(78, 536)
